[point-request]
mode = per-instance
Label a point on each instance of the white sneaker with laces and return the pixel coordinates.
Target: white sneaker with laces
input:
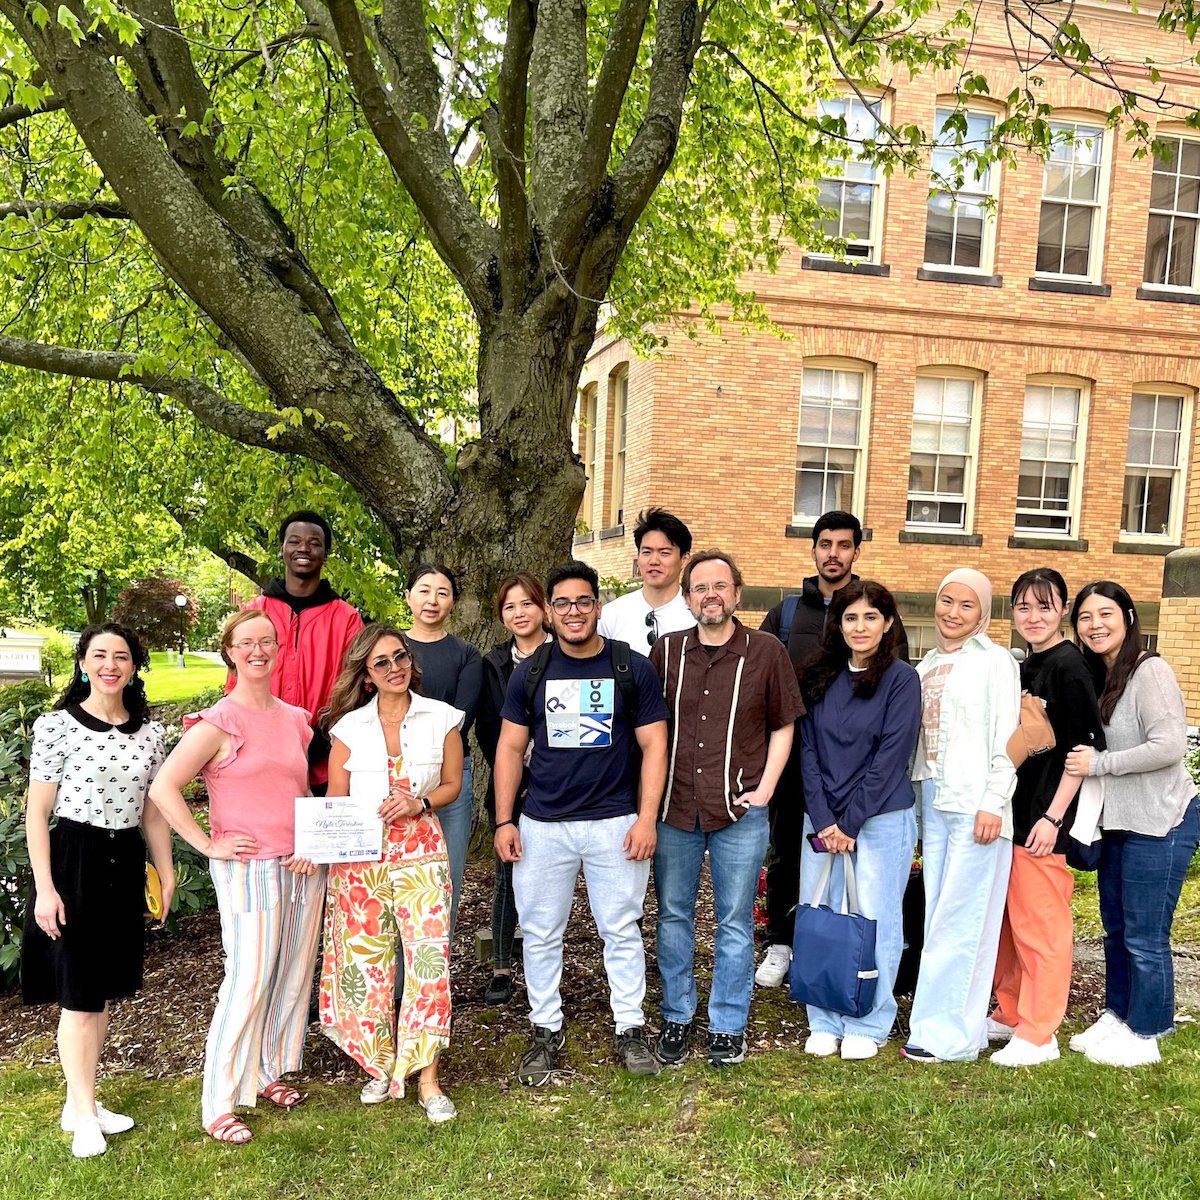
(855, 1046)
(821, 1045)
(773, 969)
(1124, 1048)
(110, 1122)
(1020, 1053)
(375, 1091)
(998, 1032)
(88, 1140)
(1095, 1033)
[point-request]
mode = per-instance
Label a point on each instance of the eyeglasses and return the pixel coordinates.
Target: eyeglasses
(562, 605)
(702, 589)
(267, 643)
(400, 659)
(651, 628)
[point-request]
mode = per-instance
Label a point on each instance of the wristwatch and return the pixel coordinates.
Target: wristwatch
(425, 804)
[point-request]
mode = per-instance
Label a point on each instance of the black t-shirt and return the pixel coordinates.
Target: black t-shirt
(451, 671)
(1060, 677)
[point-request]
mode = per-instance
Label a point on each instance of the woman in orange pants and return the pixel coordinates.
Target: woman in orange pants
(1033, 967)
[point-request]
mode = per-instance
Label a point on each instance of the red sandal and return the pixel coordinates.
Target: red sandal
(231, 1130)
(281, 1095)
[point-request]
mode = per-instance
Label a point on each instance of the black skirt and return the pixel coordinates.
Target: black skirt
(100, 874)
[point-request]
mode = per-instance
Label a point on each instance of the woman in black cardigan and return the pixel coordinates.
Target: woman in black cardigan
(521, 606)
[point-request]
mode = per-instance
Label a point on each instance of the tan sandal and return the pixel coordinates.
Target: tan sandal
(231, 1130)
(281, 1095)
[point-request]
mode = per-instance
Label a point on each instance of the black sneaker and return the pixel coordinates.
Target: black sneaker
(635, 1053)
(540, 1061)
(500, 990)
(726, 1049)
(671, 1045)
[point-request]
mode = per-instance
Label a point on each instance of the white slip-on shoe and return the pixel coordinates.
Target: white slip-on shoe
(855, 1046)
(88, 1141)
(821, 1045)
(998, 1032)
(110, 1122)
(1095, 1033)
(1020, 1053)
(1124, 1048)
(773, 969)
(375, 1091)
(438, 1108)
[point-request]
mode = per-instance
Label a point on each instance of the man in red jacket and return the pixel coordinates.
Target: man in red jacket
(314, 627)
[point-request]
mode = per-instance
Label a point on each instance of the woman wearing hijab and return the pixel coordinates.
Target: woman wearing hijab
(970, 705)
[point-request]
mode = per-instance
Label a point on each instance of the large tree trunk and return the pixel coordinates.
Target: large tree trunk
(95, 599)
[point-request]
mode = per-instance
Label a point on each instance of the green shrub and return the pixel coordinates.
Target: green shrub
(57, 656)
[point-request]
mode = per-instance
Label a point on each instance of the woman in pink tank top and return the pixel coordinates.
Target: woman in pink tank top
(251, 749)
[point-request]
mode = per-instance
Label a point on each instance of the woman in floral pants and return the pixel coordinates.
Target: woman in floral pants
(391, 743)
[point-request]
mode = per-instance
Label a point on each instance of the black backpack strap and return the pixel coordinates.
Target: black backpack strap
(787, 616)
(623, 670)
(539, 660)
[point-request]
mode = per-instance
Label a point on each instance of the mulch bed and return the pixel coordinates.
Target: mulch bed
(161, 1032)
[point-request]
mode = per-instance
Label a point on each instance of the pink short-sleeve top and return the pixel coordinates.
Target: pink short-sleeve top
(253, 789)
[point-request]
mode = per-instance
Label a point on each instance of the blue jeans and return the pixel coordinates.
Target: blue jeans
(883, 855)
(735, 858)
(965, 888)
(1139, 881)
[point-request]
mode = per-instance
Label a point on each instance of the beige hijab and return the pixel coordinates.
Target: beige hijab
(979, 583)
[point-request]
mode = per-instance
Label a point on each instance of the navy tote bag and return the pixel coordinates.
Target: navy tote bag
(833, 953)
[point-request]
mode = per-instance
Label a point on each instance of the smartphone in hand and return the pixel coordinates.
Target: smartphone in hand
(819, 847)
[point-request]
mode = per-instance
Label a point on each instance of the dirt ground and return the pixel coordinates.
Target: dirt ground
(161, 1032)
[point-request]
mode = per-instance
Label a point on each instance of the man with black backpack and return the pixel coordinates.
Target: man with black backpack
(598, 721)
(798, 622)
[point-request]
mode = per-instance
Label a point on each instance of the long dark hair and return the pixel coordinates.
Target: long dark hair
(834, 654)
(350, 688)
(1110, 683)
(133, 697)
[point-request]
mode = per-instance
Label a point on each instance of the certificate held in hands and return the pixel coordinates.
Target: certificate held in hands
(335, 829)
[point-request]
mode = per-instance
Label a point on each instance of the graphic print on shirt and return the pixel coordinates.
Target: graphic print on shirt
(579, 713)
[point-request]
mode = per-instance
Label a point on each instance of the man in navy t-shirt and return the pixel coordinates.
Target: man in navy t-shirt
(596, 778)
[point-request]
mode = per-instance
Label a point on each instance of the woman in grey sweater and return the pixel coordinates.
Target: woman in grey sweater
(1151, 823)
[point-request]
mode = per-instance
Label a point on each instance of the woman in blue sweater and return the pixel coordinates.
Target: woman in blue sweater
(857, 738)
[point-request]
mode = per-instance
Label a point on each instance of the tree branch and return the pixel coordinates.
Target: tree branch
(558, 85)
(11, 114)
(64, 210)
(421, 160)
(247, 425)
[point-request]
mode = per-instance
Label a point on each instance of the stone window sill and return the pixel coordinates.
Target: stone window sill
(1158, 549)
(931, 537)
(1034, 542)
(612, 531)
(844, 266)
(805, 531)
(943, 275)
(1069, 287)
(1167, 297)
(584, 539)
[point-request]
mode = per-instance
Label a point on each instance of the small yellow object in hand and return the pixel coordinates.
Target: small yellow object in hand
(154, 898)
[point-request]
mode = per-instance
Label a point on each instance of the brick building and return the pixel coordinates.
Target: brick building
(991, 389)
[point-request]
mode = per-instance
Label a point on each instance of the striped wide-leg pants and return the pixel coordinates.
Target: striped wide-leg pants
(270, 920)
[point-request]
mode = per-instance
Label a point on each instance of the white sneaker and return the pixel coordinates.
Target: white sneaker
(1020, 1053)
(856, 1046)
(375, 1091)
(88, 1140)
(1095, 1033)
(439, 1108)
(822, 1045)
(773, 969)
(1124, 1048)
(998, 1032)
(110, 1122)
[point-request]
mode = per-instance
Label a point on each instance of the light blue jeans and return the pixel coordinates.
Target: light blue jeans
(735, 859)
(965, 888)
(552, 855)
(883, 856)
(455, 819)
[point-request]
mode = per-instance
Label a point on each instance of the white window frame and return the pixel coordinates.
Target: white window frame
(988, 197)
(858, 485)
(586, 417)
(620, 385)
(920, 632)
(1173, 214)
(876, 181)
(1075, 489)
(1174, 534)
(1099, 206)
(977, 381)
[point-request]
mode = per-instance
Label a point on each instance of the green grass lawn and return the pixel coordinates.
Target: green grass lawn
(167, 683)
(781, 1126)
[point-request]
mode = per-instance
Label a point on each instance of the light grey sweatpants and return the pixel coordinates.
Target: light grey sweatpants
(552, 855)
